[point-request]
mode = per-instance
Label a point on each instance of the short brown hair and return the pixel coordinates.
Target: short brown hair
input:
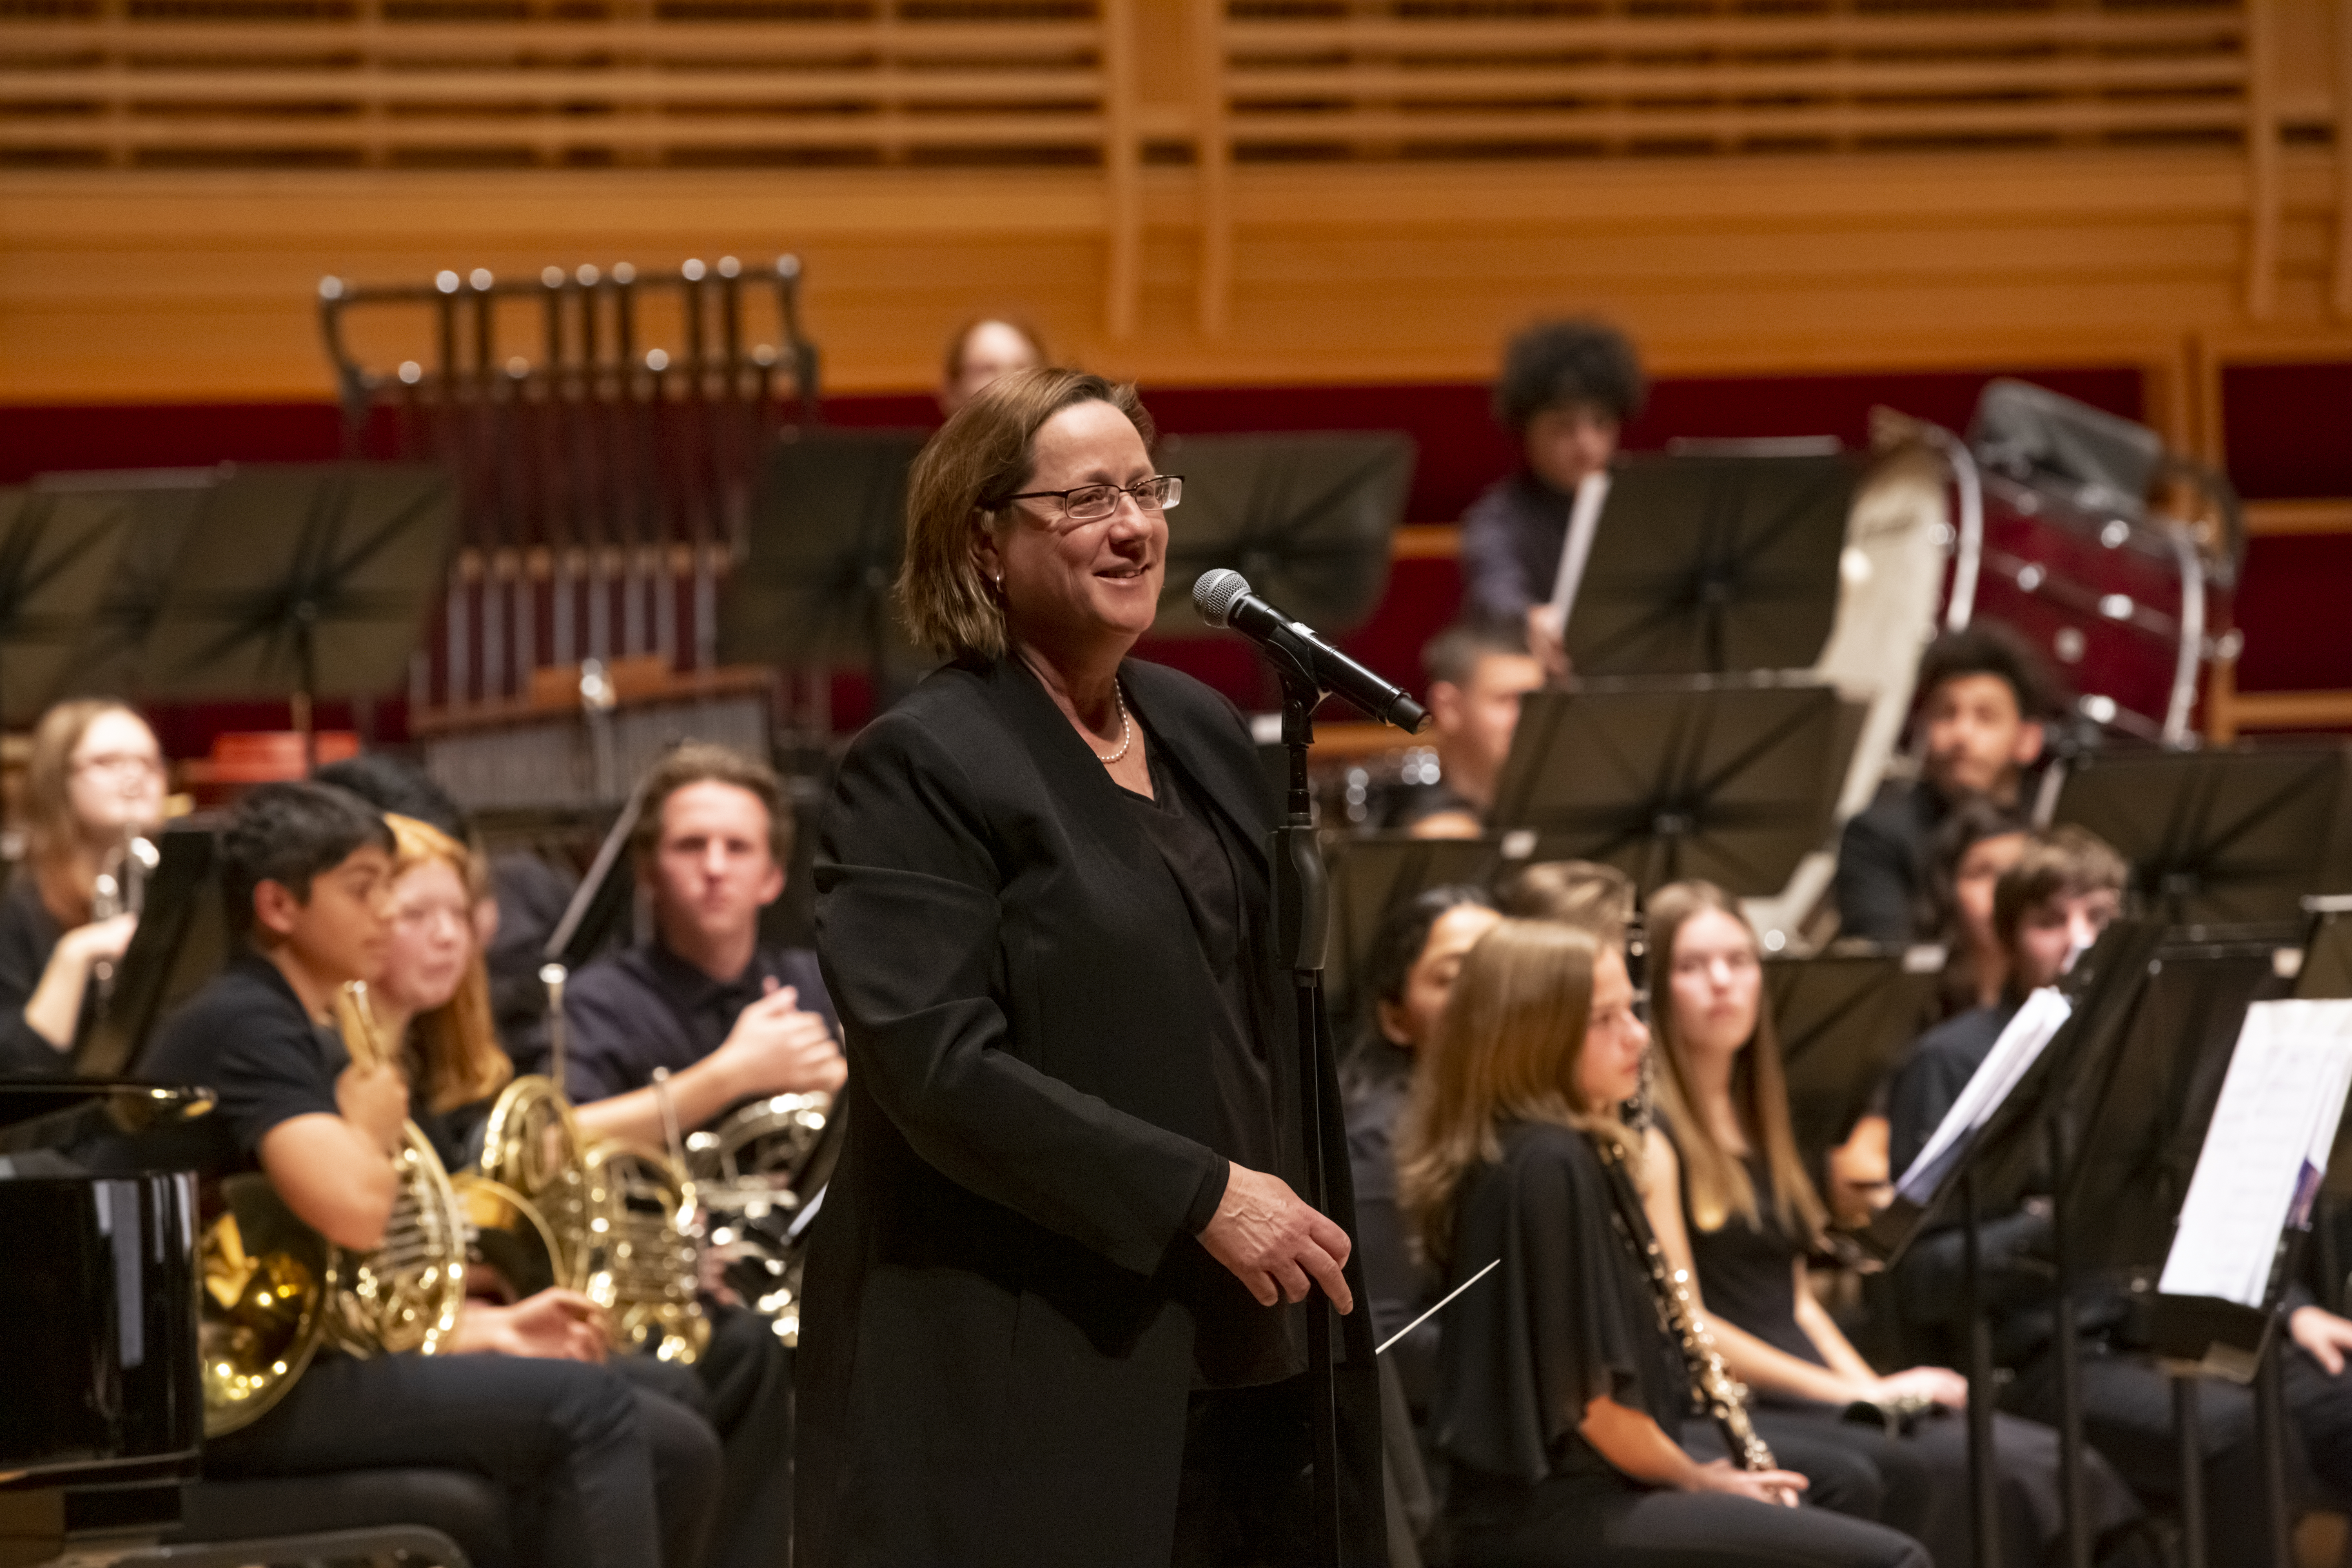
(2065, 862)
(1582, 893)
(699, 762)
(980, 458)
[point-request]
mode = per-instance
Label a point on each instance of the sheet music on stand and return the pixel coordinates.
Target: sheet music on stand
(2037, 1022)
(2265, 1152)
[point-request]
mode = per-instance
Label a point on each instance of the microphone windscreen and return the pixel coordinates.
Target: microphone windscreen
(1216, 593)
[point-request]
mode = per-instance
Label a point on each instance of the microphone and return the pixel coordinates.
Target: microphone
(1223, 599)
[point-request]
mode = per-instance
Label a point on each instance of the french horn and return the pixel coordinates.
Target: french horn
(622, 1220)
(275, 1290)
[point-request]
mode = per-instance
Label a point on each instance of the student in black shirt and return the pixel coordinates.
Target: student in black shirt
(1560, 1391)
(1729, 1197)
(95, 778)
(1566, 391)
(1477, 675)
(305, 871)
(2047, 908)
(732, 1019)
(1984, 697)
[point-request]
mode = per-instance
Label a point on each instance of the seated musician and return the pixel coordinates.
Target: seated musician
(1566, 392)
(1984, 697)
(1560, 1395)
(2046, 908)
(1404, 984)
(1586, 893)
(596, 1476)
(520, 904)
(1729, 1198)
(94, 779)
(983, 350)
(1477, 677)
(1977, 841)
(729, 1018)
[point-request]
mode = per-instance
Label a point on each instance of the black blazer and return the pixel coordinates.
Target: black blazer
(996, 1350)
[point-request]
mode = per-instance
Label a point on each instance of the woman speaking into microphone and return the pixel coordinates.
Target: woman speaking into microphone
(1050, 1312)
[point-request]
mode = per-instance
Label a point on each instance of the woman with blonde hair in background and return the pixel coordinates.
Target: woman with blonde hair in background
(95, 779)
(1560, 1395)
(1730, 1199)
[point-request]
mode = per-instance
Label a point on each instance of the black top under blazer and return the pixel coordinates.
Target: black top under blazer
(998, 1336)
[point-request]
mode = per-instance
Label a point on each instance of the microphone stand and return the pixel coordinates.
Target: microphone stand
(1302, 918)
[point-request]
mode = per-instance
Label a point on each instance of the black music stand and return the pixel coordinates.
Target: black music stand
(827, 532)
(1307, 519)
(182, 942)
(1992, 1168)
(1735, 779)
(62, 544)
(1712, 566)
(303, 580)
(2220, 837)
(1372, 874)
(1843, 1019)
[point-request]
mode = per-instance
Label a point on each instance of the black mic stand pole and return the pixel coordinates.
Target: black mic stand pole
(1302, 918)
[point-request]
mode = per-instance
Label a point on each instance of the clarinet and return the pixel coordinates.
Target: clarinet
(1721, 1396)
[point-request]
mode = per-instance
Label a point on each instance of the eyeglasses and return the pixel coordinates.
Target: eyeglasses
(137, 763)
(1089, 503)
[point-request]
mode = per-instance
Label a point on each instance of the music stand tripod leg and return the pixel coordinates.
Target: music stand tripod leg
(1984, 1495)
(1302, 918)
(2269, 1431)
(2189, 1434)
(2068, 1346)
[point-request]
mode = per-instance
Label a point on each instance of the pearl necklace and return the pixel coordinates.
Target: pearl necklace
(1126, 730)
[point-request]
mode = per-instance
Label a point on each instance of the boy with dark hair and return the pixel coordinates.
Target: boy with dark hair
(305, 870)
(1477, 675)
(1984, 696)
(2048, 908)
(1566, 392)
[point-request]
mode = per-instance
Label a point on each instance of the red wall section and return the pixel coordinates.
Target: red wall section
(2288, 430)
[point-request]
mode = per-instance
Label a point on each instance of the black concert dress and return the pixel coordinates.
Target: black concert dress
(1568, 1318)
(1747, 1275)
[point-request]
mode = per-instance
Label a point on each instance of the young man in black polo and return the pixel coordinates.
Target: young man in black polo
(1985, 695)
(1477, 675)
(305, 870)
(731, 1019)
(2050, 906)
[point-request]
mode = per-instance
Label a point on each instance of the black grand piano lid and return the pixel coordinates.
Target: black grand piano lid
(97, 1328)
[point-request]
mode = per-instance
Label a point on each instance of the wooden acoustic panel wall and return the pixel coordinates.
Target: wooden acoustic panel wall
(1215, 192)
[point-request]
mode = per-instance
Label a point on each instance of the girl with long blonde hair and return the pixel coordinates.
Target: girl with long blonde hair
(1729, 1200)
(95, 779)
(1560, 1397)
(432, 1003)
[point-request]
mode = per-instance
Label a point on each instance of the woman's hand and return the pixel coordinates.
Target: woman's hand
(1271, 1241)
(101, 941)
(1779, 1488)
(1940, 1383)
(54, 1009)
